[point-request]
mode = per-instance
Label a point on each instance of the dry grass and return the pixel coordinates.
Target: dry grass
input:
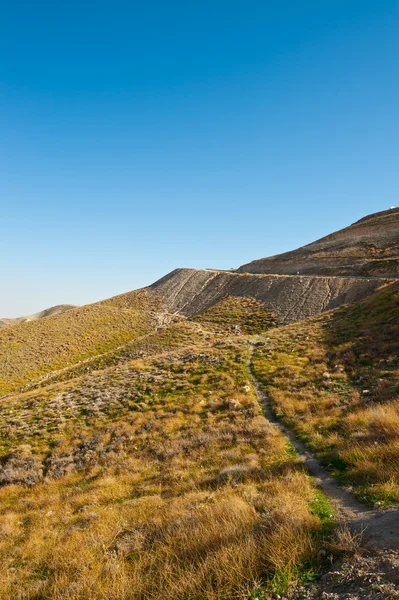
(237, 315)
(335, 380)
(154, 478)
(32, 349)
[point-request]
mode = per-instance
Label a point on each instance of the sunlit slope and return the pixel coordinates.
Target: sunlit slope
(156, 477)
(29, 350)
(48, 312)
(290, 298)
(335, 380)
(369, 247)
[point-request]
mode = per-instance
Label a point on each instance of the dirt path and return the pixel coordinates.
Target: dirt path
(380, 527)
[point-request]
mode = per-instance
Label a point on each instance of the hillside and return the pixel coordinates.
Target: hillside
(48, 312)
(216, 435)
(290, 298)
(369, 247)
(334, 379)
(150, 471)
(30, 350)
(157, 476)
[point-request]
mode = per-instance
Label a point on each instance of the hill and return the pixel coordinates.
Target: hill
(151, 471)
(54, 310)
(290, 298)
(334, 379)
(32, 349)
(151, 445)
(155, 476)
(369, 247)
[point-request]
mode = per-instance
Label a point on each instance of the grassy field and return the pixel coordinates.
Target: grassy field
(30, 350)
(237, 315)
(156, 476)
(335, 380)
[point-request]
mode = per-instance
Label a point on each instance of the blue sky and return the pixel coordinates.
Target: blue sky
(136, 137)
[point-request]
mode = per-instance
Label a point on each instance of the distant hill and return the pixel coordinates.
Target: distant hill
(369, 247)
(47, 312)
(32, 349)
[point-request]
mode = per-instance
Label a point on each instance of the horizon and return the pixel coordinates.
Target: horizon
(176, 268)
(137, 140)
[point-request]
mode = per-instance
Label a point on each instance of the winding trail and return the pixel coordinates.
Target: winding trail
(380, 528)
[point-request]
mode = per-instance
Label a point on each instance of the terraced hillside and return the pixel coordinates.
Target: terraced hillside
(369, 247)
(136, 460)
(150, 471)
(291, 298)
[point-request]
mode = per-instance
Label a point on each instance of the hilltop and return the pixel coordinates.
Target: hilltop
(48, 312)
(369, 247)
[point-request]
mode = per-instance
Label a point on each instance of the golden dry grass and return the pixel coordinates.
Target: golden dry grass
(237, 315)
(32, 349)
(155, 478)
(335, 380)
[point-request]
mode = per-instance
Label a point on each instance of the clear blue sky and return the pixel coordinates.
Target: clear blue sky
(136, 137)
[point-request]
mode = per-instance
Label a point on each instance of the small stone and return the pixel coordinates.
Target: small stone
(233, 404)
(213, 404)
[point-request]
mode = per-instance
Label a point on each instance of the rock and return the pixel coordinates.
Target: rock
(213, 404)
(233, 404)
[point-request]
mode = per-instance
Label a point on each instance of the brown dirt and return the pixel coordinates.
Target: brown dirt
(292, 298)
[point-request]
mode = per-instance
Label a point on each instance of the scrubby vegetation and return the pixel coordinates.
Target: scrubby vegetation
(149, 471)
(32, 349)
(239, 315)
(335, 380)
(156, 477)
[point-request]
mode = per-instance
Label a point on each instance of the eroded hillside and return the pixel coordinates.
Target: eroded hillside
(136, 461)
(290, 298)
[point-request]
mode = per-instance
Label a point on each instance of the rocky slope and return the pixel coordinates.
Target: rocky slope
(369, 247)
(190, 291)
(54, 310)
